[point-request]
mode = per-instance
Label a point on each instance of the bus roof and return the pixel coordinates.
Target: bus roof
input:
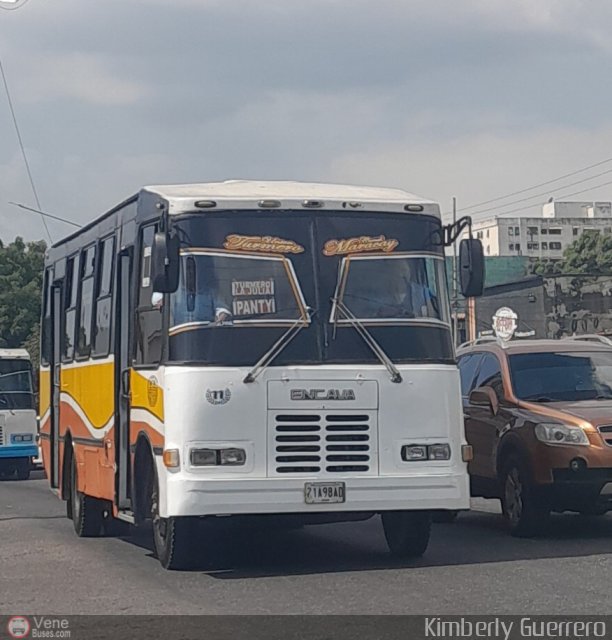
(14, 354)
(242, 194)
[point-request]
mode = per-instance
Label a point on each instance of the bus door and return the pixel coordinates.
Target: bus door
(122, 377)
(56, 334)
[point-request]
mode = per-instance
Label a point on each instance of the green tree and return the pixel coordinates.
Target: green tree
(591, 254)
(21, 270)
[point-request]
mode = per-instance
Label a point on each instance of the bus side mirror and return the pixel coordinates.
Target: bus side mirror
(471, 267)
(165, 263)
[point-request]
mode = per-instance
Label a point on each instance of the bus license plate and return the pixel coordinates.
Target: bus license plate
(324, 492)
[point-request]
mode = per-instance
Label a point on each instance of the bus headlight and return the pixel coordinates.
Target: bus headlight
(439, 451)
(21, 438)
(230, 457)
(412, 452)
(203, 457)
(416, 452)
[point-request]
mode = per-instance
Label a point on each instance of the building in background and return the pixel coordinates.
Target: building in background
(546, 236)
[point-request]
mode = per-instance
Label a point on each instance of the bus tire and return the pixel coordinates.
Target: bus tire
(87, 512)
(23, 470)
(173, 538)
(407, 532)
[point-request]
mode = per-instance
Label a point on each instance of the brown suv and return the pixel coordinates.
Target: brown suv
(538, 414)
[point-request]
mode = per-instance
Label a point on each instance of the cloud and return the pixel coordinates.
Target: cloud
(471, 98)
(75, 76)
(478, 167)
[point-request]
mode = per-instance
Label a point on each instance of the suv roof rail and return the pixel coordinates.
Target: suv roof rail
(592, 337)
(469, 343)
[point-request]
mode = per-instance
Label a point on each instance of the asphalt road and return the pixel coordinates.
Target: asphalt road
(471, 567)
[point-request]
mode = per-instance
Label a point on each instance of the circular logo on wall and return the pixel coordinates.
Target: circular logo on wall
(505, 323)
(18, 627)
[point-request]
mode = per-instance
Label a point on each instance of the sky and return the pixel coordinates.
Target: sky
(467, 98)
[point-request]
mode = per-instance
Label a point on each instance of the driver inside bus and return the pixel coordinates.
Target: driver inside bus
(407, 293)
(204, 305)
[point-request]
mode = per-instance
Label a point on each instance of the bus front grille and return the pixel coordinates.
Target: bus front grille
(322, 443)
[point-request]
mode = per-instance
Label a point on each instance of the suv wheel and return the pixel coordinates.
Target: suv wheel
(525, 514)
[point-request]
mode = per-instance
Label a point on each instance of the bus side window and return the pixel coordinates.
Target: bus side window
(70, 306)
(148, 316)
(46, 329)
(88, 258)
(104, 297)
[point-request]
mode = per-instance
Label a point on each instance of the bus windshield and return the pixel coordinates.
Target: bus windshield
(16, 384)
(392, 289)
(234, 290)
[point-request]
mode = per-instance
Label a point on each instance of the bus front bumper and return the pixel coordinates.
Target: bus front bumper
(208, 496)
(18, 451)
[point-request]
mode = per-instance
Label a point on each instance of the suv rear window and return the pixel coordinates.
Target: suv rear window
(564, 376)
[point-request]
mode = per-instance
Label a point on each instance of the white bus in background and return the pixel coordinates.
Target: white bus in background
(250, 348)
(18, 422)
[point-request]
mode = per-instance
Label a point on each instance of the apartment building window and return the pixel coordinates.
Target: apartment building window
(545, 246)
(488, 249)
(575, 231)
(554, 232)
(511, 247)
(555, 246)
(487, 233)
(544, 231)
(517, 246)
(517, 231)
(479, 235)
(510, 231)
(533, 245)
(532, 231)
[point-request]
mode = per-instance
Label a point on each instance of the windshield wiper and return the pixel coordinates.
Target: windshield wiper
(368, 339)
(278, 346)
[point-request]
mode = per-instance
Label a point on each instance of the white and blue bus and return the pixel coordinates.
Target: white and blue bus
(18, 423)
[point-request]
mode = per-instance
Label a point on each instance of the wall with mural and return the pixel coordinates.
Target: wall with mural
(552, 306)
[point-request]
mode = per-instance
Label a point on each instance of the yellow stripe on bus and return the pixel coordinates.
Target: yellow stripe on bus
(92, 386)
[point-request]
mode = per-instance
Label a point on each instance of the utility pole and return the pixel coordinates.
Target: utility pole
(455, 275)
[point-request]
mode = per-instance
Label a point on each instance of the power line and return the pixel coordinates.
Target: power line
(535, 186)
(21, 146)
(47, 215)
(539, 195)
(564, 195)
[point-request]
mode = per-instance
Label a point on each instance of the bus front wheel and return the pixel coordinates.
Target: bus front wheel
(174, 538)
(407, 532)
(87, 513)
